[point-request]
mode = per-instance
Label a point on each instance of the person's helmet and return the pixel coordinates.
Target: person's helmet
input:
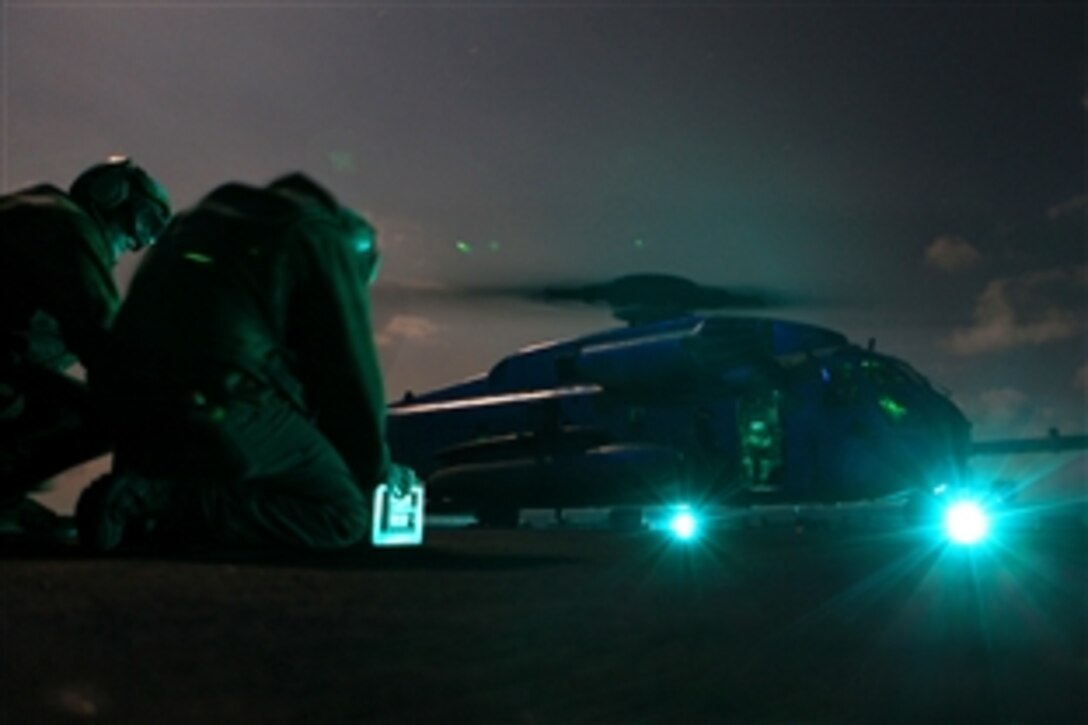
(362, 236)
(117, 190)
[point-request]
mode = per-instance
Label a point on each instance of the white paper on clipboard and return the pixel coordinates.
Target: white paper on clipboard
(398, 520)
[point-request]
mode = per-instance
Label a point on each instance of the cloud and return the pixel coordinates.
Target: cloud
(1004, 406)
(406, 328)
(950, 253)
(1008, 412)
(1033, 309)
(1065, 208)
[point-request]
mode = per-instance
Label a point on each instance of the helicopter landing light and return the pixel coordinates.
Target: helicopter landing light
(966, 523)
(683, 524)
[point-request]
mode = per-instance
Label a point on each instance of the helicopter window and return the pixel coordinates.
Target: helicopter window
(886, 372)
(842, 382)
(910, 374)
(881, 374)
(885, 378)
(760, 431)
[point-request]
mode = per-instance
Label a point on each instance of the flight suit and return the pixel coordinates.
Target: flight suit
(57, 299)
(246, 371)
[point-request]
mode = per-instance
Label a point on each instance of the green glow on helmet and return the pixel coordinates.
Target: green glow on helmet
(463, 247)
(198, 258)
(363, 245)
(895, 410)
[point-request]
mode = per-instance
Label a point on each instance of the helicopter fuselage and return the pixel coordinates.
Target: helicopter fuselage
(699, 408)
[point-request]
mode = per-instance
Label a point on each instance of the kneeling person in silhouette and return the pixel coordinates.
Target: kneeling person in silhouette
(57, 301)
(247, 395)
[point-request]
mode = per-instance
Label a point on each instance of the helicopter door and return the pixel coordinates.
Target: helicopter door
(759, 423)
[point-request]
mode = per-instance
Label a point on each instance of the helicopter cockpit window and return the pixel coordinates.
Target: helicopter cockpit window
(885, 382)
(883, 375)
(889, 371)
(842, 383)
(890, 380)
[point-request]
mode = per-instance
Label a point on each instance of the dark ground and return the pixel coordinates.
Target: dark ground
(856, 622)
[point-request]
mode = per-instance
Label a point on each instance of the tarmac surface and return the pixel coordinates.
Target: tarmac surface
(852, 620)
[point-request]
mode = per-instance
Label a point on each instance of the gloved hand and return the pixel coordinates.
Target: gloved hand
(401, 479)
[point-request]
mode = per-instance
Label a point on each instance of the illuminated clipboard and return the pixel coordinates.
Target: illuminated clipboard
(398, 520)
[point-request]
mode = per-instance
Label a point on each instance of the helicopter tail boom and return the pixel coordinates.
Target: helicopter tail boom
(1054, 442)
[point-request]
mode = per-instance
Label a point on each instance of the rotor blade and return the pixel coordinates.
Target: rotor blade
(632, 298)
(663, 290)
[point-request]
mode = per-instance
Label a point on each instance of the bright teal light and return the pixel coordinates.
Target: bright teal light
(966, 523)
(684, 525)
(364, 244)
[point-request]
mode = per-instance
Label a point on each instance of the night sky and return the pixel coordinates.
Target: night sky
(916, 172)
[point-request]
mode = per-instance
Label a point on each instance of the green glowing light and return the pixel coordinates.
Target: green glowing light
(463, 247)
(639, 243)
(341, 160)
(363, 245)
(894, 409)
(198, 258)
(494, 246)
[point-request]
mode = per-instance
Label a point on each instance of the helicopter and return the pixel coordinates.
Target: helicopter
(683, 403)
